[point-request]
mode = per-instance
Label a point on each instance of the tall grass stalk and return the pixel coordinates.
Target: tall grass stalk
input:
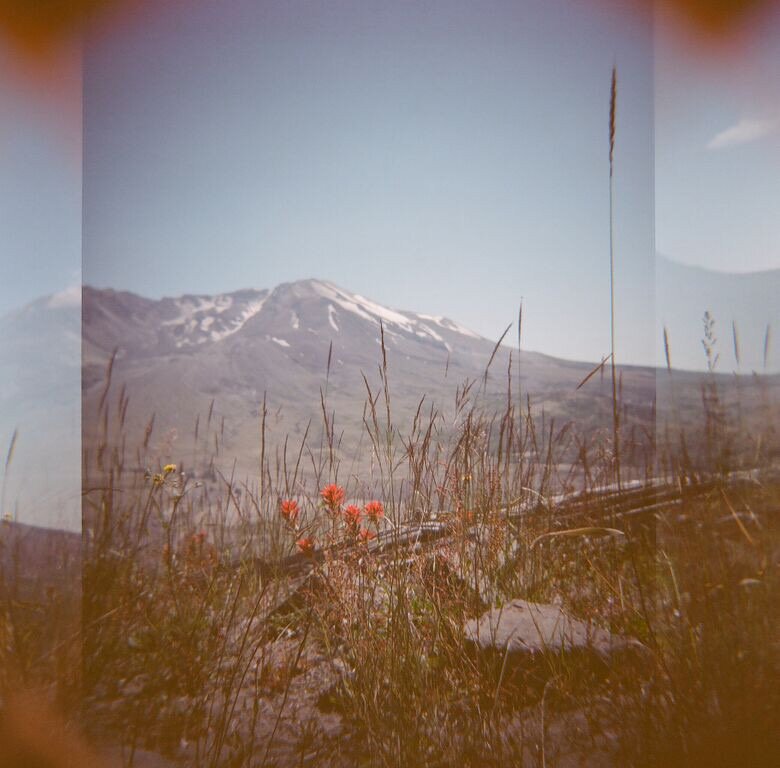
(615, 413)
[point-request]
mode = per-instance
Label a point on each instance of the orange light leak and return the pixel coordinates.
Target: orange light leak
(718, 20)
(40, 51)
(703, 27)
(40, 37)
(34, 29)
(34, 33)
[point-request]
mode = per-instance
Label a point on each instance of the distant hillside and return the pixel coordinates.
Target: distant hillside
(40, 398)
(34, 557)
(747, 301)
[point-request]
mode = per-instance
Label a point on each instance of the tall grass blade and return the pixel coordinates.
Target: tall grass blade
(599, 367)
(767, 341)
(615, 417)
(11, 447)
(493, 353)
(667, 353)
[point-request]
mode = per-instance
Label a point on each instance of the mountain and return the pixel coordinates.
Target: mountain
(40, 402)
(293, 326)
(745, 301)
(193, 378)
(292, 344)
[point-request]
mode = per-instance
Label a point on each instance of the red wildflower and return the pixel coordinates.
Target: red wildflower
(333, 496)
(352, 515)
(289, 510)
(306, 545)
(366, 535)
(374, 510)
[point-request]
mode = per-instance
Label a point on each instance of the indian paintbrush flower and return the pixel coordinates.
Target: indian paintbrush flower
(333, 497)
(306, 545)
(374, 511)
(352, 515)
(289, 510)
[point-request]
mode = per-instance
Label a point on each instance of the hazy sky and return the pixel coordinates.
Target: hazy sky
(40, 169)
(441, 157)
(717, 148)
(447, 157)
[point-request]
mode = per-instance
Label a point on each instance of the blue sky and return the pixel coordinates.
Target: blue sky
(717, 149)
(442, 157)
(40, 165)
(448, 158)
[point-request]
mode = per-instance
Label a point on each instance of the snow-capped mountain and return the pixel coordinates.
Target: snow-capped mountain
(279, 341)
(285, 352)
(146, 327)
(293, 343)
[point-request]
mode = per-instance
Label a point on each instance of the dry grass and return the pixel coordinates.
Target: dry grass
(206, 638)
(209, 643)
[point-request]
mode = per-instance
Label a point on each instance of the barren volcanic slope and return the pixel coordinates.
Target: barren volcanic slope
(173, 356)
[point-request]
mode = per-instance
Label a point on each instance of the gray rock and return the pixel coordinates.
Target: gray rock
(522, 629)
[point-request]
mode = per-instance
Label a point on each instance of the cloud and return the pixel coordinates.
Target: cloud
(744, 131)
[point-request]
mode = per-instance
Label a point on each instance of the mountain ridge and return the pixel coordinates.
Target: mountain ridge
(742, 304)
(306, 346)
(293, 353)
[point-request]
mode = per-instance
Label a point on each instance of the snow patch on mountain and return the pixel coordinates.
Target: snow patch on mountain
(199, 319)
(70, 297)
(362, 307)
(385, 314)
(374, 313)
(251, 309)
(450, 325)
(331, 318)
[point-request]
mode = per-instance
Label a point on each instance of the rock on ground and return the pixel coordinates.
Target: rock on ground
(524, 629)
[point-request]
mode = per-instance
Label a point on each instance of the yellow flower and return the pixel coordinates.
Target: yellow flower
(168, 468)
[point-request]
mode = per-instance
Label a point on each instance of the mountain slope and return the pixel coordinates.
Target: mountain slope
(275, 339)
(293, 344)
(747, 301)
(40, 401)
(203, 370)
